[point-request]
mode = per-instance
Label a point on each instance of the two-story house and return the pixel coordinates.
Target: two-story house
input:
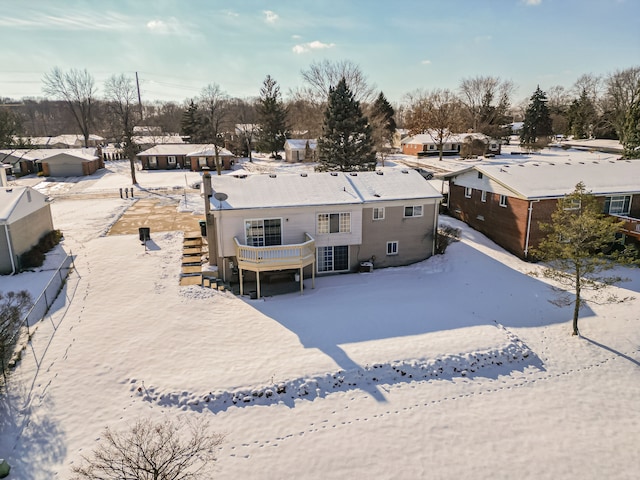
(318, 223)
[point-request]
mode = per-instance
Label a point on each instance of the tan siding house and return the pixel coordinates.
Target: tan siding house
(25, 217)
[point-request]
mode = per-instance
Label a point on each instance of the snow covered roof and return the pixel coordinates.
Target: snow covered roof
(425, 138)
(45, 153)
(11, 197)
(291, 190)
(300, 143)
(537, 180)
(187, 149)
(157, 139)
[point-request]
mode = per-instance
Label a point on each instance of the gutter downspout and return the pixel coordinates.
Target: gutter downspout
(526, 242)
(13, 263)
(435, 229)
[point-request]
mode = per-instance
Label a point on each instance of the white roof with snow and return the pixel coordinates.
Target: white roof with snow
(45, 153)
(533, 180)
(425, 138)
(187, 149)
(293, 190)
(17, 202)
(300, 143)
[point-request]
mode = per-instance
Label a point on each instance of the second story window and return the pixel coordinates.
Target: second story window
(334, 223)
(413, 211)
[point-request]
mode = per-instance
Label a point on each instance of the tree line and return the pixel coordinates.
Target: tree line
(594, 107)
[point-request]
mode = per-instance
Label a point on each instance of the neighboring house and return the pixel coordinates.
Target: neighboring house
(508, 202)
(64, 141)
(54, 162)
(424, 144)
(189, 156)
(399, 135)
(318, 223)
(295, 150)
(150, 140)
(25, 217)
(71, 163)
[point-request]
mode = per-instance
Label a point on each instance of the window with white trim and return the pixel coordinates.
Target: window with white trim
(413, 211)
(618, 205)
(202, 161)
(378, 213)
(171, 160)
(483, 197)
(334, 222)
(392, 248)
(333, 259)
(570, 203)
(263, 232)
(503, 200)
(153, 161)
(468, 191)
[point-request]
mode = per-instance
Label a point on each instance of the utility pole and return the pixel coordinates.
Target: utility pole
(139, 99)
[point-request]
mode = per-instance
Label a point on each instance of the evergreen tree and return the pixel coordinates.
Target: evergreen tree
(189, 124)
(272, 116)
(537, 121)
(346, 143)
(582, 116)
(383, 111)
(9, 128)
(580, 246)
(631, 129)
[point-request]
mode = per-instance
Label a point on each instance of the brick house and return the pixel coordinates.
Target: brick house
(190, 156)
(424, 144)
(508, 202)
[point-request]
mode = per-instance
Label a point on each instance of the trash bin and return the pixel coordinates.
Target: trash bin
(145, 233)
(203, 228)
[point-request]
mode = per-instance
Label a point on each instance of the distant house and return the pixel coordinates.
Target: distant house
(188, 155)
(295, 150)
(71, 163)
(25, 217)
(318, 223)
(55, 162)
(64, 141)
(508, 202)
(424, 144)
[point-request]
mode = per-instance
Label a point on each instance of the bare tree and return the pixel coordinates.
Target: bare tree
(247, 129)
(12, 306)
(437, 113)
(214, 106)
(322, 76)
(152, 451)
(121, 95)
(621, 91)
(486, 100)
(76, 88)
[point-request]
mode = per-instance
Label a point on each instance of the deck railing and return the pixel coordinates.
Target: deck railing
(276, 256)
(631, 226)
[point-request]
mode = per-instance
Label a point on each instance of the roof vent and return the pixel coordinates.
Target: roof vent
(334, 174)
(567, 163)
(405, 171)
(303, 174)
(376, 195)
(596, 162)
(353, 174)
(581, 163)
(272, 175)
(380, 172)
(242, 175)
(521, 164)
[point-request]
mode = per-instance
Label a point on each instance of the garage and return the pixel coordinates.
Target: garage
(69, 164)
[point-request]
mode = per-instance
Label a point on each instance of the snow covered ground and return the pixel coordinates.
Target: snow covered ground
(455, 367)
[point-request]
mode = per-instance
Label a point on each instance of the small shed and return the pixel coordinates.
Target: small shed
(297, 149)
(25, 217)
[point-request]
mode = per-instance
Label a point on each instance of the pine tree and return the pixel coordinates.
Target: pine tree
(631, 129)
(383, 111)
(580, 246)
(345, 144)
(537, 120)
(189, 125)
(582, 116)
(272, 116)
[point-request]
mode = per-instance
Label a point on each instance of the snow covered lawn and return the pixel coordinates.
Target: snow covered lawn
(455, 367)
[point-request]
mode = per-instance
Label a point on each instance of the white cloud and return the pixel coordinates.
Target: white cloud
(65, 21)
(315, 45)
(171, 26)
(426, 62)
(230, 13)
(532, 2)
(270, 17)
(482, 38)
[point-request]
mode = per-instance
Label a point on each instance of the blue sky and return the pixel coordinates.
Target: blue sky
(178, 47)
